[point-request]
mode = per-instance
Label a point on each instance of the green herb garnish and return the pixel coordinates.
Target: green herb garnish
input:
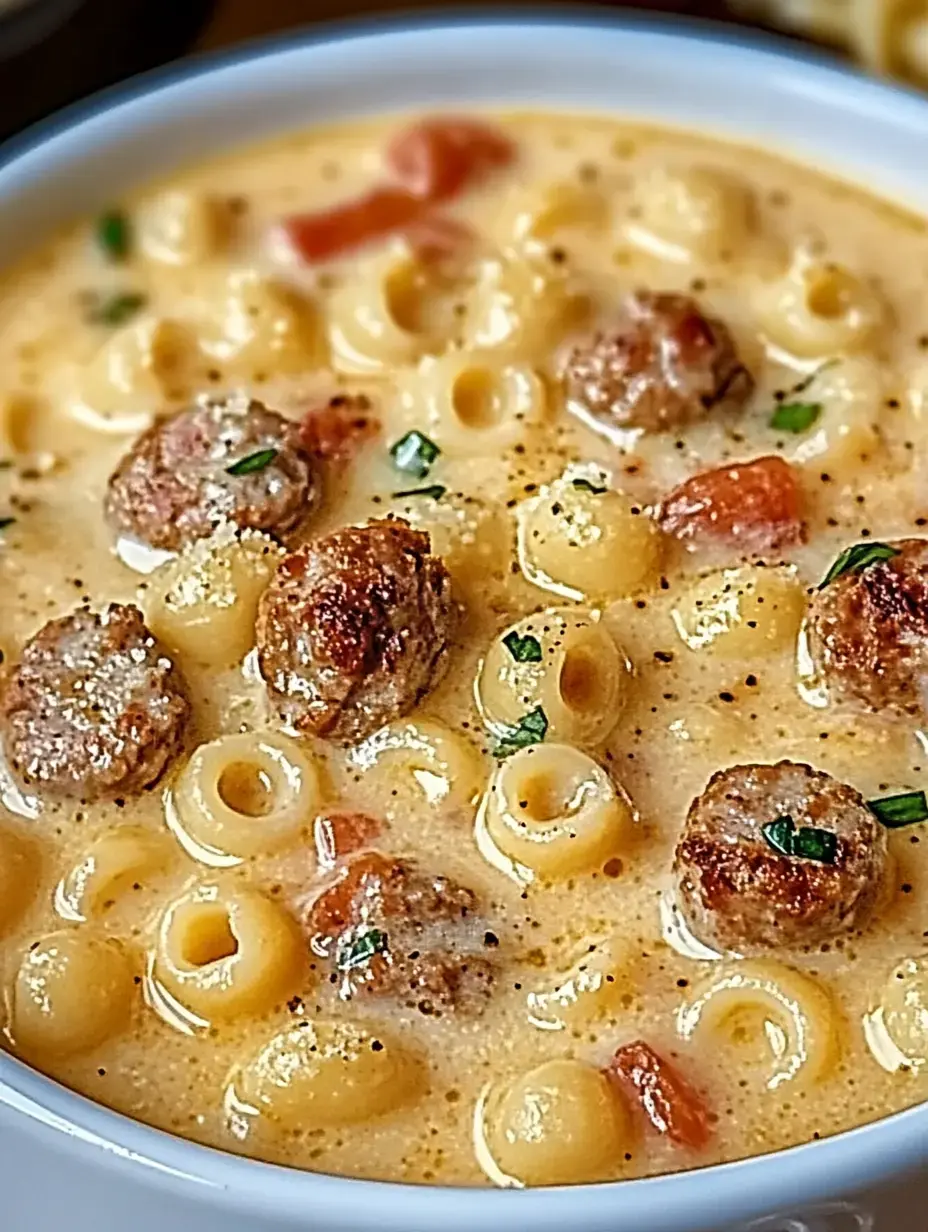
(414, 453)
(587, 485)
(254, 462)
(434, 492)
(5, 522)
(116, 309)
(795, 416)
(902, 810)
(811, 843)
(806, 843)
(530, 729)
(361, 949)
(114, 235)
(523, 649)
(858, 556)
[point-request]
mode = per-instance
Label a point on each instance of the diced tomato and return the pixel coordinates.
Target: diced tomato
(431, 161)
(671, 1104)
(329, 233)
(436, 158)
(339, 834)
(335, 431)
(434, 239)
(753, 505)
(336, 907)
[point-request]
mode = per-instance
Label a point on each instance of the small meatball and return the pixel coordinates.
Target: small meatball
(868, 633)
(95, 707)
(737, 892)
(354, 629)
(753, 506)
(391, 929)
(662, 366)
(174, 485)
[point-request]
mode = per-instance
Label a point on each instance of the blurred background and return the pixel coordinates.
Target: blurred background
(53, 52)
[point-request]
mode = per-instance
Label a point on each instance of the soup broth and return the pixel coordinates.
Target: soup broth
(429, 924)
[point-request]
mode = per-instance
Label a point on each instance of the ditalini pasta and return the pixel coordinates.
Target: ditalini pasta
(464, 649)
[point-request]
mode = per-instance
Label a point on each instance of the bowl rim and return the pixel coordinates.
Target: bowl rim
(812, 1171)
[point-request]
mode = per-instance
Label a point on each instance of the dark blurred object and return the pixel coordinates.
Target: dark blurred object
(55, 51)
(239, 19)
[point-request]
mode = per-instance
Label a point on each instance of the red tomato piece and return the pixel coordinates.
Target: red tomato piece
(336, 908)
(754, 505)
(334, 432)
(330, 233)
(671, 1104)
(339, 834)
(435, 159)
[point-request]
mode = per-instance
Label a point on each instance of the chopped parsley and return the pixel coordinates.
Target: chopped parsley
(114, 235)
(254, 462)
(857, 557)
(587, 485)
(806, 843)
(523, 649)
(902, 810)
(116, 309)
(5, 522)
(434, 491)
(530, 729)
(795, 416)
(414, 453)
(359, 950)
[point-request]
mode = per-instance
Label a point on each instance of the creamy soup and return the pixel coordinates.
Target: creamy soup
(465, 628)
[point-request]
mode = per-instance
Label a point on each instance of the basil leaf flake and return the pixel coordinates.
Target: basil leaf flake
(434, 491)
(359, 950)
(806, 843)
(587, 485)
(523, 649)
(414, 453)
(795, 416)
(811, 843)
(254, 462)
(857, 557)
(531, 729)
(904, 809)
(779, 834)
(116, 309)
(114, 235)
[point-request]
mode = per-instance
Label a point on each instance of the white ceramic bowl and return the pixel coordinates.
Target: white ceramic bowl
(66, 1163)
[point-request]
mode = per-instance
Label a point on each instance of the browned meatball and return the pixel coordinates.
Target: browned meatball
(174, 485)
(868, 633)
(95, 707)
(354, 628)
(392, 929)
(661, 366)
(738, 892)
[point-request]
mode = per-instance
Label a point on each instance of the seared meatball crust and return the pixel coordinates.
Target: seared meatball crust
(868, 634)
(95, 708)
(433, 938)
(174, 485)
(354, 629)
(661, 366)
(738, 893)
